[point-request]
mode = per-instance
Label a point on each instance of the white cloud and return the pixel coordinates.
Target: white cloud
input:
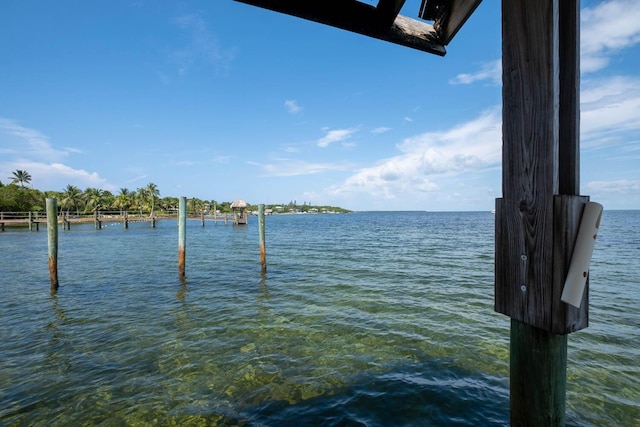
(20, 141)
(29, 149)
(335, 135)
(491, 71)
(609, 108)
(620, 186)
(429, 156)
(293, 167)
(56, 176)
(292, 106)
(606, 29)
(136, 179)
(380, 130)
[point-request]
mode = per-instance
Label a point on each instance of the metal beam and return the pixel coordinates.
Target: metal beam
(360, 18)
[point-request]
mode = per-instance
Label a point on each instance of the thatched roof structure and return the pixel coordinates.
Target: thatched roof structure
(238, 204)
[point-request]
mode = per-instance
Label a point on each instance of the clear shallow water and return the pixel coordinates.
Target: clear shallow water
(364, 319)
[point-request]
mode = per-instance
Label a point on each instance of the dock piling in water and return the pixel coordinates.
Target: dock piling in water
(182, 236)
(263, 251)
(52, 238)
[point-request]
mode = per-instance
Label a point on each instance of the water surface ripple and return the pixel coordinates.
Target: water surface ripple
(370, 319)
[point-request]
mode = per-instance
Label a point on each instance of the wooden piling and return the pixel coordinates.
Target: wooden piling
(182, 236)
(536, 218)
(126, 219)
(52, 239)
(263, 251)
(30, 221)
(538, 376)
(202, 217)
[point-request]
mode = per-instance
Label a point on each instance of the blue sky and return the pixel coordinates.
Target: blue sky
(221, 100)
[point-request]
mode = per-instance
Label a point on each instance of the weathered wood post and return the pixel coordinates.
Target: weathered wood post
(30, 221)
(52, 240)
(126, 219)
(182, 236)
(202, 217)
(153, 221)
(538, 217)
(263, 251)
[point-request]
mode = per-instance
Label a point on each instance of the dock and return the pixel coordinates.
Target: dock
(32, 220)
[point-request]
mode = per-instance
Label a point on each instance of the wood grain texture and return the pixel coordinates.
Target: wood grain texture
(524, 216)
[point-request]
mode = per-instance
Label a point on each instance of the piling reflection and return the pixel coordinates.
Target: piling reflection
(57, 349)
(182, 292)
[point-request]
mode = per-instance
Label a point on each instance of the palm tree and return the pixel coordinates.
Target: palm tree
(71, 198)
(23, 177)
(124, 200)
(152, 192)
(197, 205)
(94, 199)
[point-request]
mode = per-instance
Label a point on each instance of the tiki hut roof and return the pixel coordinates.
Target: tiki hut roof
(238, 204)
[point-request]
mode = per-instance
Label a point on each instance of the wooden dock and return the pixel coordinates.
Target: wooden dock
(32, 220)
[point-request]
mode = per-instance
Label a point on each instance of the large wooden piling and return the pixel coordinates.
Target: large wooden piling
(538, 216)
(263, 250)
(182, 236)
(52, 239)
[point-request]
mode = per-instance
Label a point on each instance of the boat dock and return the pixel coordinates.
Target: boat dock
(32, 220)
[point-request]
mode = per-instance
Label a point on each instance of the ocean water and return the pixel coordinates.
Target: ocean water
(364, 319)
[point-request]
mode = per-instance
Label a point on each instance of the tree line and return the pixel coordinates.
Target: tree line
(18, 196)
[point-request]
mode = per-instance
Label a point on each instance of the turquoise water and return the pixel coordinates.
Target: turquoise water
(369, 319)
